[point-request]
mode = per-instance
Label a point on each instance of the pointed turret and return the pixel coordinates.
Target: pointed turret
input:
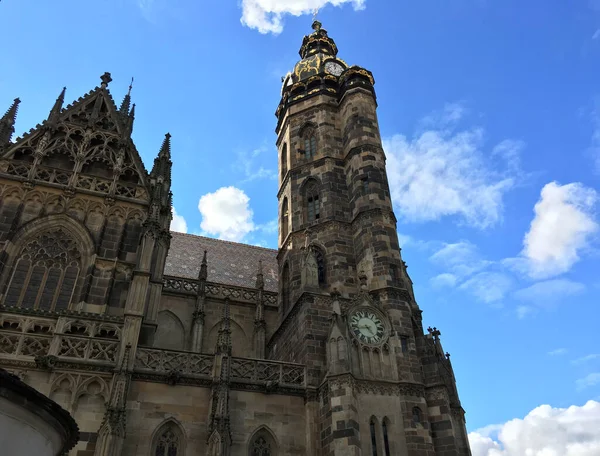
(161, 171)
(58, 104)
(7, 123)
(125, 105)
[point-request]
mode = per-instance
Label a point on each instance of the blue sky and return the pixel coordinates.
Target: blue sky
(491, 117)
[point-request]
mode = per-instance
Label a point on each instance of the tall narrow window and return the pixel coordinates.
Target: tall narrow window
(284, 161)
(310, 145)
(285, 219)
(404, 343)
(365, 185)
(312, 202)
(320, 265)
(386, 441)
(373, 437)
(45, 273)
(285, 288)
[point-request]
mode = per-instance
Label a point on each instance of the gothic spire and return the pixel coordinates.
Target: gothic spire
(203, 274)
(162, 163)
(7, 122)
(58, 104)
(125, 105)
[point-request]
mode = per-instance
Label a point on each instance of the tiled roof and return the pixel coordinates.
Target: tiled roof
(229, 263)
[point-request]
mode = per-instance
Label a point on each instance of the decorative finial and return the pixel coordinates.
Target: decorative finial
(105, 78)
(316, 25)
(7, 122)
(260, 282)
(203, 274)
(124, 110)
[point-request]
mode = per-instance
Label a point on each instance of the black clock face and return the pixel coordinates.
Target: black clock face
(367, 326)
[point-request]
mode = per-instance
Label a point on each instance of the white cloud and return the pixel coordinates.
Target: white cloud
(443, 280)
(549, 292)
(460, 258)
(226, 214)
(489, 287)
(442, 172)
(246, 163)
(595, 117)
(266, 16)
(561, 229)
(588, 381)
(596, 35)
(558, 352)
(178, 223)
(545, 431)
(586, 358)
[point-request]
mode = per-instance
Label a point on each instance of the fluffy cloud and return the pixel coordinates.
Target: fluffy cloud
(178, 223)
(561, 229)
(488, 287)
(266, 16)
(460, 258)
(558, 351)
(226, 214)
(545, 431)
(442, 172)
(586, 358)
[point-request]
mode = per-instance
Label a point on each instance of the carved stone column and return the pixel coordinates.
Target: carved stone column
(260, 325)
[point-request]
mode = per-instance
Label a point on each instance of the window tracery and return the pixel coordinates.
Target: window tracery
(45, 272)
(167, 444)
(284, 161)
(416, 412)
(261, 447)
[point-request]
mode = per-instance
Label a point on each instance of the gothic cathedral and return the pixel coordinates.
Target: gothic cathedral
(167, 344)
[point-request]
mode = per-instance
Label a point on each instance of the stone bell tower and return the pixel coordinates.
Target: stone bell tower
(347, 309)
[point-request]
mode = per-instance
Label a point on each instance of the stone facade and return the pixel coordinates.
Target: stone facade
(168, 344)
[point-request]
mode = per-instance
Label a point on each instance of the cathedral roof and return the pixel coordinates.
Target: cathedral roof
(230, 263)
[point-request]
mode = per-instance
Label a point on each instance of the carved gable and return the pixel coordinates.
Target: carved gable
(85, 146)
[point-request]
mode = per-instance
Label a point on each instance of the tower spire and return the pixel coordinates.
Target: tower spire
(58, 104)
(124, 109)
(162, 163)
(7, 123)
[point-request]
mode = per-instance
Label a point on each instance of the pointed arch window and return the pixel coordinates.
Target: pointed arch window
(417, 416)
(285, 219)
(284, 161)
(313, 210)
(386, 441)
(168, 441)
(45, 272)
(260, 447)
(262, 443)
(373, 428)
(285, 288)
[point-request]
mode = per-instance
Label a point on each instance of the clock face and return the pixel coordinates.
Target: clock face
(367, 326)
(334, 68)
